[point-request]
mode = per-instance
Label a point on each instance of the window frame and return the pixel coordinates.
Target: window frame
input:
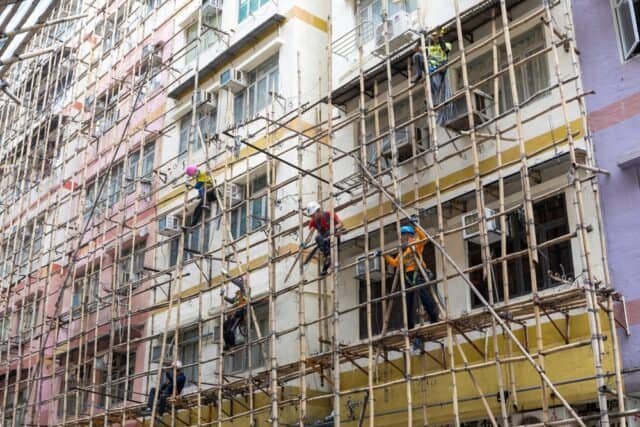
(238, 361)
(243, 219)
(249, 7)
(627, 52)
(131, 261)
(525, 93)
(247, 103)
(209, 39)
(518, 268)
(188, 344)
(206, 122)
(87, 298)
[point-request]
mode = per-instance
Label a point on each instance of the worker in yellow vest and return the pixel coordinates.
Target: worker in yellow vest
(437, 55)
(204, 183)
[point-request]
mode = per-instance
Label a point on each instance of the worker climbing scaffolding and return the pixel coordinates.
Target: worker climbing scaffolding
(437, 57)
(413, 241)
(204, 183)
(238, 317)
(321, 223)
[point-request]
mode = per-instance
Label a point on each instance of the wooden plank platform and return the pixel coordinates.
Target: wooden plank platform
(558, 301)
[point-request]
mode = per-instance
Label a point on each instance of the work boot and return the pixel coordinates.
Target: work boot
(145, 412)
(325, 266)
(417, 347)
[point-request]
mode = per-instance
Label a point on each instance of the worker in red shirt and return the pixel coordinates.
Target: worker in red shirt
(321, 223)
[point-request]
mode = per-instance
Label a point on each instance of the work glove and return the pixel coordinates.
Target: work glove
(221, 292)
(377, 253)
(414, 219)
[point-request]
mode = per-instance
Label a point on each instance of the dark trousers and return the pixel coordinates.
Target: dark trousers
(162, 399)
(427, 300)
(324, 244)
(418, 67)
(197, 213)
(229, 327)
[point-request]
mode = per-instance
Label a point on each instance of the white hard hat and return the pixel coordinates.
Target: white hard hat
(312, 207)
(177, 364)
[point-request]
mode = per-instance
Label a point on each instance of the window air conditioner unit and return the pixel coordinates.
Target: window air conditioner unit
(211, 7)
(169, 225)
(233, 79)
(482, 110)
(375, 272)
(203, 99)
(399, 27)
(473, 233)
(403, 143)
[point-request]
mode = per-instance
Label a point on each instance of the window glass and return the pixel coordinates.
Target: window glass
(627, 13)
(247, 7)
(239, 360)
(262, 80)
(243, 10)
(209, 37)
(551, 221)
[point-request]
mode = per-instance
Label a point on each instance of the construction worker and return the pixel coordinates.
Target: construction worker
(238, 302)
(166, 389)
(204, 183)
(321, 223)
(437, 55)
(412, 252)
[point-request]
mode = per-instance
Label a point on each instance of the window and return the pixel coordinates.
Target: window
(106, 110)
(77, 400)
(187, 352)
(114, 188)
(147, 74)
(150, 5)
(404, 141)
(6, 257)
(85, 292)
(137, 171)
(5, 327)
(28, 317)
(130, 267)
(550, 216)
(209, 37)
(239, 360)
(379, 308)
(627, 15)
(256, 201)
(91, 197)
(192, 241)
(257, 95)
(20, 409)
(532, 77)
(32, 234)
(248, 7)
(113, 28)
(206, 127)
(119, 376)
(371, 14)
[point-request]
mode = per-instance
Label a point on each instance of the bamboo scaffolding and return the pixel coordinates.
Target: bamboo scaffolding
(299, 145)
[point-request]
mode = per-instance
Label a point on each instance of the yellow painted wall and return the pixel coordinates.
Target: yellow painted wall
(561, 366)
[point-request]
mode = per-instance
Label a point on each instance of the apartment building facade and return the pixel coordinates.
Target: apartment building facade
(282, 103)
(608, 40)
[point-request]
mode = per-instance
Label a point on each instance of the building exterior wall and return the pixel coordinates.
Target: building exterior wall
(614, 117)
(181, 291)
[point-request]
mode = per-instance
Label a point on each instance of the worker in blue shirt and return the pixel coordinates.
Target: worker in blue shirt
(166, 389)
